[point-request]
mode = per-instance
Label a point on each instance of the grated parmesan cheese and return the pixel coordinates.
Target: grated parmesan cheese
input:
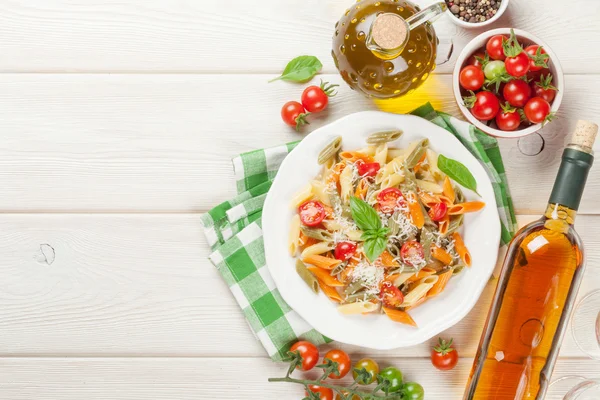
(369, 275)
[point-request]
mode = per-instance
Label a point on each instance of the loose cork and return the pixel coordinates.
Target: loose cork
(585, 134)
(389, 31)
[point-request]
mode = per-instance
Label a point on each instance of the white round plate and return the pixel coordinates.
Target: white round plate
(481, 234)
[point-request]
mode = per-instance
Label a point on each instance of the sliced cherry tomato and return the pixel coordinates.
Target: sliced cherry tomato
(544, 88)
(324, 393)
(312, 213)
(316, 98)
(294, 114)
(390, 295)
(483, 105)
(471, 78)
(390, 198)
(412, 252)
(443, 356)
(517, 92)
(508, 119)
(477, 58)
(368, 169)
(308, 352)
(343, 362)
(495, 47)
(438, 211)
(344, 250)
(393, 376)
(537, 110)
(538, 59)
(370, 366)
(518, 65)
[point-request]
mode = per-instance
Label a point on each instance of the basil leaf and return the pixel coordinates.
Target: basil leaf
(364, 215)
(458, 172)
(374, 247)
(300, 69)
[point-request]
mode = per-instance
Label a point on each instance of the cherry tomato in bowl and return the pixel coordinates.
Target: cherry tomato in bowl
(312, 213)
(343, 363)
(517, 92)
(544, 88)
(484, 105)
(495, 47)
(518, 65)
(471, 78)
(344, 250)
(538, 58)
(508, 119)
(308, 352)
(537, 110)
(443, 356)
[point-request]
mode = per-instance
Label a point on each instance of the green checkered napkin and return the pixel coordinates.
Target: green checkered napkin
(233, 230)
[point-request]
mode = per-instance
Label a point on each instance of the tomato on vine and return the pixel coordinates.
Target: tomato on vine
(337, 362)
(322, 392)
(305, 355)
(394, 378)
(365, 371)
(443, 356)
(413, 391)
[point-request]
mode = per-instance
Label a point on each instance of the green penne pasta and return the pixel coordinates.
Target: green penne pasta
(360, 296)
(330, 150)
(319, 234)
(457, 269)
(383, 137)
(307, 276)
(460, 196)
(456, 222)
(353, 288)
(426, 242)
(414, 157)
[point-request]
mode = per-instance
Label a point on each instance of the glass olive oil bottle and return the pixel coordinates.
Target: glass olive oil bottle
(536, 291)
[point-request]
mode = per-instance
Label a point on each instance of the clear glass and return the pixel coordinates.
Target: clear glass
(585, 325)
(574, 388)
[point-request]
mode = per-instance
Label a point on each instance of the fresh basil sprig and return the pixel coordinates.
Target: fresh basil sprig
(300, 69)
(457, 172)
(374, 234)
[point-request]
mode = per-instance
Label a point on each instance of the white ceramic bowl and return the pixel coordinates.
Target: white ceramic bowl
(481, 235)
(475, 25)
(526, 39)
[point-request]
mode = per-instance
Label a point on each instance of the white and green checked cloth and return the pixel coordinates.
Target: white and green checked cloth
(233, 230)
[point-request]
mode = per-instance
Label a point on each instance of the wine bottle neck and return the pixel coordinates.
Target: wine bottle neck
(571, 178)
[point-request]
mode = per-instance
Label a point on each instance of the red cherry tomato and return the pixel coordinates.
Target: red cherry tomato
(508, 120)
(293, 114)
(443, 356)
(471, 78)
(343, 361)
(536, 75)
(344, 250)
(544, 88)
(484, 105)
(412, 252)
(368, 169)
(390, 295)
(495, 47)
(324, 393)
(537, 110)
(538, 59)
(308, 352)
(474, 59)
(312, 213)
(517, 92)
(438, 211)
(388, 199)
(518, 65)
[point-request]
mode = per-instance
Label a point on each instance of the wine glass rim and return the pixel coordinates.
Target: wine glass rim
(573, 327)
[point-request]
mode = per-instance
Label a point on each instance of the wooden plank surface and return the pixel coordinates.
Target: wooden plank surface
(156, 143)
(203, 378)
(141, 285)
(236, 36)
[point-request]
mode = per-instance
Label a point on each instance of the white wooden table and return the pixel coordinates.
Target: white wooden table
(118, 121)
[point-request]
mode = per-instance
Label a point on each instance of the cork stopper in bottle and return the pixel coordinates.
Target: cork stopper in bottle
(585, 134)
(389, 31)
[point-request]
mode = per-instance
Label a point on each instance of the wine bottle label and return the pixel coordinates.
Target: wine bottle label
(571, 178)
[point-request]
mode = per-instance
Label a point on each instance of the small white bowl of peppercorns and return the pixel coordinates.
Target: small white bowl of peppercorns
(475, 13)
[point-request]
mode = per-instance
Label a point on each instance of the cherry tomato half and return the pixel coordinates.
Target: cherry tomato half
(308, 352)
(343, 361)
(471, 78)
(538, 59)
(518, 65)
(390, 295)
(537, 110)
(368, 169)
(370, 366)
(438, 211)
(344, 250)
(495, 47)
(412, 252)
(324, 393)
(394, 376)
(517, 93)
(388, 199)
(443, 356)
(312, 213)
(484, 105)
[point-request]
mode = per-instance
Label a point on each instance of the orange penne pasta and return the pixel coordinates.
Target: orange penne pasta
(463, 208)
(421, 274)
(416, 212)
(419, 165)
(440, 285)
(449, 190)
(444, 225)
(461, 249)
(321, 261)
(306, 241)
(329, 214)
(399, 316)
(334, 177)
(330, 292)
(441, 255)
(361, 189)
(387, 260)
(444, 199)
(428, 199)
(323, 275)
(391, 278)
(353, 156)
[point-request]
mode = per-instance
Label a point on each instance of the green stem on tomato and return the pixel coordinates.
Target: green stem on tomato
(349, 390)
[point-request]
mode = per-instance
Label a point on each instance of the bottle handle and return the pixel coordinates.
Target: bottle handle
(429, 14)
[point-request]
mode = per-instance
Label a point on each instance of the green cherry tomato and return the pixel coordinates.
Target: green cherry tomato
(494, 69)
(413, 391)
(394, 376)
(372, 368)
